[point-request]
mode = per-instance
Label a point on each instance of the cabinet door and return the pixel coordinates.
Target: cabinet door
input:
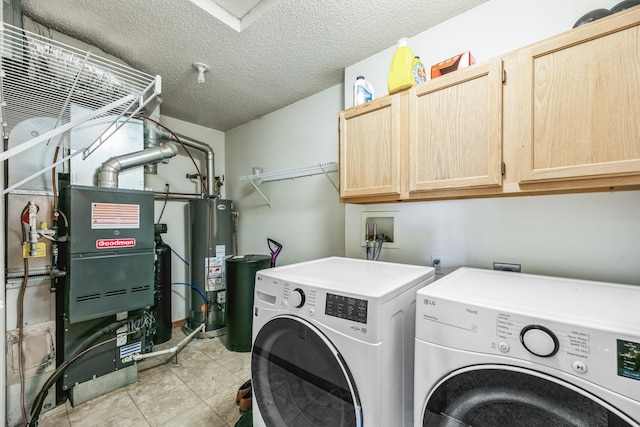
(580, 103)
(455, 135)
(370, 149)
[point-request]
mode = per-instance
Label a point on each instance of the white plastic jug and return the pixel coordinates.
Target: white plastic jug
(362, 91)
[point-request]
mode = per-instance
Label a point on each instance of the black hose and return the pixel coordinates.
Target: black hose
(44, 391)
(97, 334)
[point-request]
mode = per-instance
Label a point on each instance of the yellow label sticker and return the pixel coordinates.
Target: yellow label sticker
(41, 250)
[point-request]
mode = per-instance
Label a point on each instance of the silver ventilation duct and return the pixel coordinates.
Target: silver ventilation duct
(211, 169)
(150, 141)
(108, 174)
(196, 145)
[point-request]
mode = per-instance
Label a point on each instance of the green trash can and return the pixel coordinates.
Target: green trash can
(241, 276)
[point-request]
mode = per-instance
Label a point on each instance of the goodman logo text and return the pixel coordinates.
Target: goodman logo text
(116, 243)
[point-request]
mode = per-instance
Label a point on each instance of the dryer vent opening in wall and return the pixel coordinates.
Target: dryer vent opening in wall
(374, 224)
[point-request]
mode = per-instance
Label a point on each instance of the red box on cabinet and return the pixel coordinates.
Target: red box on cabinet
(457, 62)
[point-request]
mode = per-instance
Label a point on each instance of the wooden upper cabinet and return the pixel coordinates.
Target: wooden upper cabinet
(567, 119)
(580, 103)
(455, 134)
(370, 149)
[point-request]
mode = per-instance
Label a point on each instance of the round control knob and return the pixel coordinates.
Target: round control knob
(539, 340)
(297, 297)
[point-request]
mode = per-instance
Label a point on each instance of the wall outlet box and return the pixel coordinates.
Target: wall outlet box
(380, 223)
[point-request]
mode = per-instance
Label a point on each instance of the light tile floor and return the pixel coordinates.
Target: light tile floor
(199, 392)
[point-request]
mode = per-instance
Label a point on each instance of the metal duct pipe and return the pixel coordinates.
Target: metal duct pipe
(150, 141)
(200, 146)
(158, 195)
(109, 171)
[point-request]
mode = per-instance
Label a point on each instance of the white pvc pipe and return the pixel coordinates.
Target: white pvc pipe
(171, 350)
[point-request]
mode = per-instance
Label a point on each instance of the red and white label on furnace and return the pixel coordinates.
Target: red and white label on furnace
(114, 215)
(127, 242)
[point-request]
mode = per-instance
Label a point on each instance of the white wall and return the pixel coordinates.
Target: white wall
(175, 212)
(305, 215)
(582, 235)
(489, 30)
(591, 236)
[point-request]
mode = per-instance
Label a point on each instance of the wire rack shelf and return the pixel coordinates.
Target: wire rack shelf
(41, 77)
(299, 172)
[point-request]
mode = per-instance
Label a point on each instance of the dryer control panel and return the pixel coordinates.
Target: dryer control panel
(629, 359)
(586, 351)
(567, 327)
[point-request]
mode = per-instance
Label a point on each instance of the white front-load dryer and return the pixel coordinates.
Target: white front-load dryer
(333, 343)
(499, 348)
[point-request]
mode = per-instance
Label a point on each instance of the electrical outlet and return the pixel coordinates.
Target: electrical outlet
(437, 262)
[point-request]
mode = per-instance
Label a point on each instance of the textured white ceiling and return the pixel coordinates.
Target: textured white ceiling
(237, 14)
(238, 7)
(284, 51)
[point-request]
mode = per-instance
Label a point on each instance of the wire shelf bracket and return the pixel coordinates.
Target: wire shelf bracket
(40, 77)
(299, 172)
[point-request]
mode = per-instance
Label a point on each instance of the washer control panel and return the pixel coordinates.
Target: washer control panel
(349, 314)
(295, 297)
(345, 307)
(298, 298)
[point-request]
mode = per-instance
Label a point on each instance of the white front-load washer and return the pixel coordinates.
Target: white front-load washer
(333, 343)
(498, 348)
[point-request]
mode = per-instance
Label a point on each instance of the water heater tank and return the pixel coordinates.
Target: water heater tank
(211, 244)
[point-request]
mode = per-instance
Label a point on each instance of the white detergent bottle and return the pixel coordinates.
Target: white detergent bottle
(362, 91)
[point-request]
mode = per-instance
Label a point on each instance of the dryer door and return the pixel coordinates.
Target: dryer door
(300, 379)
(504, 396)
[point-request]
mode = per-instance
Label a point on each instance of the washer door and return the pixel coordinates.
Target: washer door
(506, 396)
(300, 379)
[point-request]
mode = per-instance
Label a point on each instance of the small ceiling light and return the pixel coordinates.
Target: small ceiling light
(202, 68)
